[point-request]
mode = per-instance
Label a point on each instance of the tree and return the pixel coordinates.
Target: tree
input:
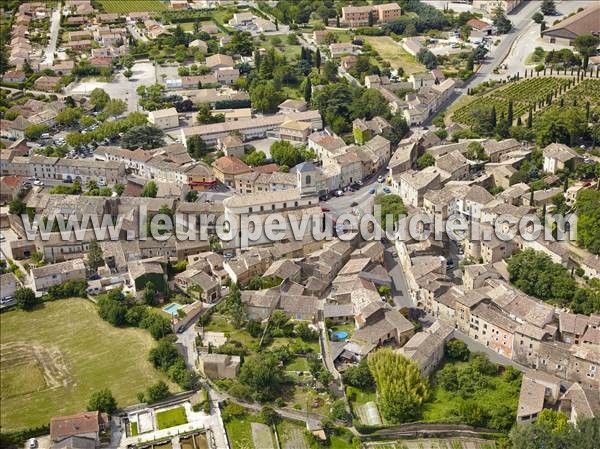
(99, 98)
(548, 7)
(588, 219)
(500, 21)
(560, 125)
(284, 153)
(509, 115)
(102, 401)
(127, 73)
(196, 147)
(457, 350)
(538, 17)
(254, 158)
(150, 190)
(157, 392)
(115, 107)
(530, 118)
(426, 160)
(144, 136)
(427, 58)
(25, 298)
(307, 90)
(17, 206)
(475, 151)
(34, 132)
(149, 294)
(205, 115)
(94, 256)
(318, 60)
(262, 374)
(401, 389)
(265, 97)
(68, 116)
(586, 45)
(555, 420)
(359, 376)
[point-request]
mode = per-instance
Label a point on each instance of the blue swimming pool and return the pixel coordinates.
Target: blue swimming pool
(340, 335)
(172, 308)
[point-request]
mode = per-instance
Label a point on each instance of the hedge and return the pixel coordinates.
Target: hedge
(18, 438)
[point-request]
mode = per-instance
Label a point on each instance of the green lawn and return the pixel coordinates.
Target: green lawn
(55, 357)
(291, 435)
(171, 418)
(297, 364)
(122, 6)
(133, 429)
(239, 433)
(361, 397)
(282, 341)
(391, 51)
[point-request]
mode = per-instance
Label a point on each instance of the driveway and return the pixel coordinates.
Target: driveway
(54, 27)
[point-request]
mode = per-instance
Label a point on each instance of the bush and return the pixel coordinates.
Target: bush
(457, 350)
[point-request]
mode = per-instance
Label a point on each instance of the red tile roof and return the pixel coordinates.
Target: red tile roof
(230, 165)
(66, 426)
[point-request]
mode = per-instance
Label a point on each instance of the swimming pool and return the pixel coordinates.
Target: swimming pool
(172, 308)
(340, 335)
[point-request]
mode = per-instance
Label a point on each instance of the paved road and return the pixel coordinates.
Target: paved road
(399, 288)
(530, 38)
(54, 27)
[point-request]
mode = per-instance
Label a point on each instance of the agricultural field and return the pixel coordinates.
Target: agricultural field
(392, 52)
(523, 94)
(587, 90)
(121, 6)
(52, 361)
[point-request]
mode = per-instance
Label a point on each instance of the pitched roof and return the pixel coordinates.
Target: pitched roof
(66, 426)
(231, 165)
(583, 22)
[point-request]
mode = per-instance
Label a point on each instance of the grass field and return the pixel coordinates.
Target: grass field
(122, 6)
(391, 51)
(171, 418)
(55, 357)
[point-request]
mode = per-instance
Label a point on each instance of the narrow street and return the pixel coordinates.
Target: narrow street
(54, 27)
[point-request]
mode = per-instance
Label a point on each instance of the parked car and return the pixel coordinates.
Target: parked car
(380, 179)
(38, 183)
(338, 193)
(101, 183)
(32, 443)
(372, 191)
(353, 204)
(386, 190)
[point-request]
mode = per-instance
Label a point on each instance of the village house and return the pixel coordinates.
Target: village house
(219, 366)
(426, 348)
(558, 156)
(164, 118)
(56, 274)
(231, 146)
(47, 83)
(87, 425)
(227, 168)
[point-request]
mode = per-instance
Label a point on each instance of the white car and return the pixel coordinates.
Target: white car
(380, 179)
(32, 443)
(2, 237)
(101, 183)
(37, 182)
